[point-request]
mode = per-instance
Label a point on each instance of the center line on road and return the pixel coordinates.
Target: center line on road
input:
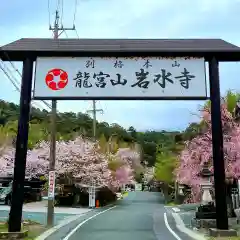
(80, 224)
(169, 228)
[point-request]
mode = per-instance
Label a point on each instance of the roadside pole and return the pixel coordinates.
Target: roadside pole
(51, 185)
(92, 193)
(94, 111)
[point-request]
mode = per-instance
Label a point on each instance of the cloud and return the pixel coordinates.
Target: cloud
(130, 19)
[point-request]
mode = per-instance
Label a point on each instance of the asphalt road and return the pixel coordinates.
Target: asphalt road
(140, 216)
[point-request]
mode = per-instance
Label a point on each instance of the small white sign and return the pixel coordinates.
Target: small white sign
(92, 197)
(51, 185)
(111, 77)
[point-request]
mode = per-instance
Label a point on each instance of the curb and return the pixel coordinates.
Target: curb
(57, 227)
(181, 227)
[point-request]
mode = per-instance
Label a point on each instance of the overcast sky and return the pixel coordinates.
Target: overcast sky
(128, 19)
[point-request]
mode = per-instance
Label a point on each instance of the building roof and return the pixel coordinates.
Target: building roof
(34, 47)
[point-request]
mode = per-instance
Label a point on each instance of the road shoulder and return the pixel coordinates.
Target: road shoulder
(187, 231)
(177, 229)
(182, 221)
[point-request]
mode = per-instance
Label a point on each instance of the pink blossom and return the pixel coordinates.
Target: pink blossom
(199, 150)
(81, 158)
(128, 156)
(124, 175)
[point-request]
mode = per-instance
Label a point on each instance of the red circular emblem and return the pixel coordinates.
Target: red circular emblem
(56, 79)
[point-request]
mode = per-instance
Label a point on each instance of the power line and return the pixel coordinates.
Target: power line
(58, 5)
(10, 73)
(49, 14)
(12, 79)
(75, 12)
(9, 77)
(15, 68)
(77, 33)
(62, 12)
(66, 34)
(74, 17)
(18, 72)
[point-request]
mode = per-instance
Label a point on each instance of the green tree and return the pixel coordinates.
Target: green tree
(132, 132)
(165, 164)
(164, 168)
(231, 98)
(138, 175)
(36, 133)
(103, 143)
(5, 139)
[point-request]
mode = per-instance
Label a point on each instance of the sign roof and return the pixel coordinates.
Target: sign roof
(44, 47)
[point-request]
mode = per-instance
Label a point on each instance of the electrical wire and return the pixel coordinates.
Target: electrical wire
(74, 17)
(9, 78)
(62, 7)
(77, 33)
(7, 71)
(13, 79)
(14, 83)
(10, 73)
(65, 34)
(18, 72)
(49, 14)
(58, 5)
(75, 12)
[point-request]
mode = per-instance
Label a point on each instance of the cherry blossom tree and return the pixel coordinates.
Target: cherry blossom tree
(80, 158)
(130, 160)
(129, 157)
(124, 175)
(199, 150)
(7, 161)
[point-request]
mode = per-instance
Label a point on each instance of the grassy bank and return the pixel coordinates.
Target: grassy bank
(225, 238)
(172, 204)
(34, 229)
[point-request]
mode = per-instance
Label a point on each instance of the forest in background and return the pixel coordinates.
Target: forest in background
(159, 149)
(70, 124)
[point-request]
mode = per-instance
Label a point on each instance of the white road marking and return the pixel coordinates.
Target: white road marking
(181, 227)
(176, 209)
(64, 222)
(169, 228)
(80, 224)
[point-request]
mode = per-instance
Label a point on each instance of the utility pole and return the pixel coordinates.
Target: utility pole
(57, 31)
(94, 112)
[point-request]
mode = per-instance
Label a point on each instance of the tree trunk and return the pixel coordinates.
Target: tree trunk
(166, 192)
